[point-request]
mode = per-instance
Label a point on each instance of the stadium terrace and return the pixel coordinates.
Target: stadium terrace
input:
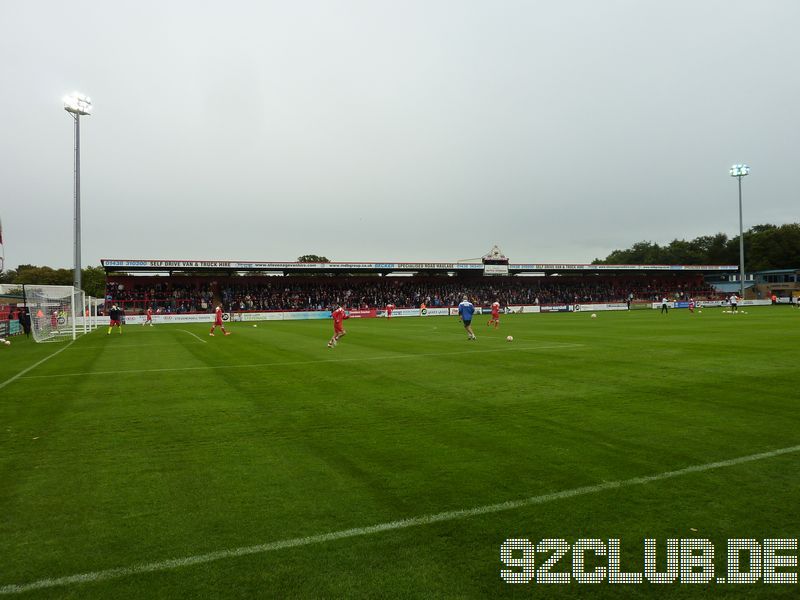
(188, 286)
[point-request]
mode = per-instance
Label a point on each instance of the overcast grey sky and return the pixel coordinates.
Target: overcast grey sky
(386, 130)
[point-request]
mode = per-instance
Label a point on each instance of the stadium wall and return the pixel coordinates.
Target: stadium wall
(359, 313)
(711, 304)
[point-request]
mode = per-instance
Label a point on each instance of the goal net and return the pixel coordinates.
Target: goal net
(56, 312)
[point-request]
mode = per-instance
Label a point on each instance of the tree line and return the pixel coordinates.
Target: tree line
(93, 278)
(766, 247)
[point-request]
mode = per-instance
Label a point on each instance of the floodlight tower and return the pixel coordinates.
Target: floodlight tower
(78, 106)
(740, 171)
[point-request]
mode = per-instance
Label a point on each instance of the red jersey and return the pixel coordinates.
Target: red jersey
(218, 316)
(389, 308)
(149, 314)
(496, 309)
(338, 316)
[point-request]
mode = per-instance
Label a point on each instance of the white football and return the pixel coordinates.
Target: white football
(254, 325)
(8, 343)
(509, 338)
(594, 316)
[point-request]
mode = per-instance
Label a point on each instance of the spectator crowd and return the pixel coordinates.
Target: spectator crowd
(182, 295)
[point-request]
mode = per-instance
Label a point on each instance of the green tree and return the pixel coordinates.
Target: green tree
(94, 281)
(641, 253)
(31, 274)
(773, 248)
(713, 248)
(312, 258)
(93, 278)
(765, 247)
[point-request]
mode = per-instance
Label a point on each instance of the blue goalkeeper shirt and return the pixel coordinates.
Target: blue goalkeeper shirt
(466, 310)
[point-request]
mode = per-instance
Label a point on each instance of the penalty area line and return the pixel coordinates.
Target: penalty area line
(307, 362)
(32, 367)
(193, 335)
(175, 563)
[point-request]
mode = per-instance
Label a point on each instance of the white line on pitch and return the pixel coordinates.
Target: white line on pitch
(193, 335)
(46, 358)
(174, 563)
(305, 362)
(131, 346)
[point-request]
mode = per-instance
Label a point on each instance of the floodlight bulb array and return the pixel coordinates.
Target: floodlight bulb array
(78, 104)
(740, 170)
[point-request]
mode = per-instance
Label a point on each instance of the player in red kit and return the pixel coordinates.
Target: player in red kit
(691, 305)
(149, 319)
(389, 309)
(338, 316)
(495, 315)
(218, 322)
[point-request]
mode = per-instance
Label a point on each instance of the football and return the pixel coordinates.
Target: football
(8, 343)
(254, 325)
(594, 316)
(509, 338)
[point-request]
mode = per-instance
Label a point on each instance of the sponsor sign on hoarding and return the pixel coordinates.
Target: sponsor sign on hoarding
(592, 307)
(306, 314)
(258, 316)
(369, 313)
(173, 318)
(495, 269)
(524, 308)
(416, 312)
(556, 308)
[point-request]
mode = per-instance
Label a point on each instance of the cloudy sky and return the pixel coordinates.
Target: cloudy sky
(386, 130)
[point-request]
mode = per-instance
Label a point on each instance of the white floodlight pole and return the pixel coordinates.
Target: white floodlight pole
(72, 310)
(77, 105)
(740, 171)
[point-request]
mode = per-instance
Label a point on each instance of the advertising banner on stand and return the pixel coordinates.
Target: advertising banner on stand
(363, 313)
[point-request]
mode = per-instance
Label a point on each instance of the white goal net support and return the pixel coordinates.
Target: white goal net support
(57, 312)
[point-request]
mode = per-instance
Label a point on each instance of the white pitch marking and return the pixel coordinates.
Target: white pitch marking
(174, 563)
(46, 358)
(193, 335)
(117, 347)
(303, 362)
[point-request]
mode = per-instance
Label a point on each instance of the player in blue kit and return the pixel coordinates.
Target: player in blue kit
(465, 312)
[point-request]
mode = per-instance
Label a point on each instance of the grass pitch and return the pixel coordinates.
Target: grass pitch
(164, 443)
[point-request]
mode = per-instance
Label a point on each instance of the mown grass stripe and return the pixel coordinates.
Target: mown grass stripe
(175, 563)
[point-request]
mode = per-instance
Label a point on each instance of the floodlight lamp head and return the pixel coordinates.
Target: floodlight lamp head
(740, 170)
(78, 104)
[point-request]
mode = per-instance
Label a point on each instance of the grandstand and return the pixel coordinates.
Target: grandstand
(173, 286)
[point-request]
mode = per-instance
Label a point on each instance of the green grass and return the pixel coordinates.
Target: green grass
(109, 459)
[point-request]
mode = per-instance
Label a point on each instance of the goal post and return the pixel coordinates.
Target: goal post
(56, 312)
